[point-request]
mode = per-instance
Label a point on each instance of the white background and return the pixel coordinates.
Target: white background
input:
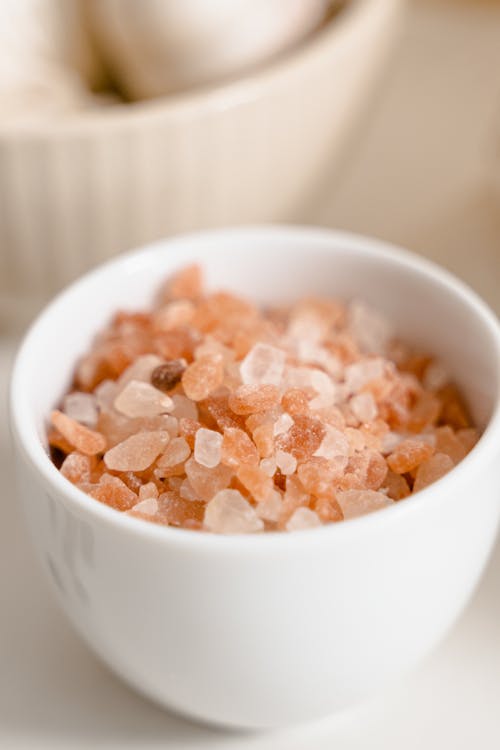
(421, 172)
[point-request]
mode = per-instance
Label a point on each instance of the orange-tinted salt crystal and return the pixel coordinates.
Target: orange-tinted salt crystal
(207, 482)
(77, 468)
(376, 470)
(468, 436)
(86, 441)
(256, 481)
(263, 437)
(188, 429)
(177, 452)
(252, 399)
(318, 476)
(424, 413)
(454, 412)
(176, 511)
(202, 377)
(396, 485)
(448, 443)
(303, 438)
(186, 283)
(112, 491)
(295, 402)
(328, 510)
(238, 448)
(137, 452)
(218, 409)
(408, 455)
(56, 440)
(431, 470)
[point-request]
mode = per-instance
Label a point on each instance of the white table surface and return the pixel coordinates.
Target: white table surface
(421, 174)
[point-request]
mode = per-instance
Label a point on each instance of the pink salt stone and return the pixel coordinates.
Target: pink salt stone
(435, 376)
(178, 313)
(431, 470)
(146, 507)
(356, 503)
(282, 424)
(149, 490)
(447, 442)
(208, 447)
(361, 373)
(258, 484)
(371, 330)
(81, 407)
(334, 443)
(202, 377)
(285, 462)
(139, 399)
(176, 452)
(253, 399)
(238, 448)
(303, 518)
(264, 364)
(229, 513)
(137, 452)
(268, 466)
(207, 482)
(112, 491)
(270, 509)
(183, 407)
(86, 441)
(363, 407)
(76, 467)
(141, 369)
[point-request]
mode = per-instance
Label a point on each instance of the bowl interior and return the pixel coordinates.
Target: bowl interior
(429, 308)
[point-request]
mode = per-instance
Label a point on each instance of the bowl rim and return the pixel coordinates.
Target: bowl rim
(27, 442)
(217, 96)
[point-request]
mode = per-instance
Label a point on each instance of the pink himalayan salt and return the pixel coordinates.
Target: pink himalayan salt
(86, 441)
(431, 470)
(82, 407)
(238, 448)
(174, 314)
(271, 508)
(229, 513)
(369, 328)
(177, 511)
(295, 401)
(112, 491)
(447, 442)
(435, 376)
(396, 486)
(202, 377)
(323, 389)
(148, 490)
(282, 424)
(268, 466)
(183, 407)
(408, 455)
(319, 476)
(207, 482)
(208, 447)
(364, 407)
(187, 492)
(303, 439)
(303, 518)
(140, 369)
(139, 399)
(137, 452)
(176, 452)
(146, 507)
(285, 462)
(333, 444)
(356, 503)
(253, 399)
(77, 468)
(255, 481)
(361, 373)
(263, 365)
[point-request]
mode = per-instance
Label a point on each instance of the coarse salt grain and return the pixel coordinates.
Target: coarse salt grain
(139, 399)
(263, 365)
(81, 407)
(229, 513)
(303, 518)
(208, 447)
(137, 452)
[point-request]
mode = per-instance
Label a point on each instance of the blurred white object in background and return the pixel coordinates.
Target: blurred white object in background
(155, 47)
(46, 62)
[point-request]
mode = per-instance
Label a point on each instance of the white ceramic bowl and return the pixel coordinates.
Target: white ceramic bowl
(75, 191)
(265, 630)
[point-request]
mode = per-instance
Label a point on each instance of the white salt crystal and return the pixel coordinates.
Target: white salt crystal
(268, 466)
(364, 407)
(303, 518)
(270, 508)
(285, 462)
(184, 408)
(176, 452)
(148, 506)
(334, 443)
(282, 424)
(141, 369)
(187, 492)
(82, 407)
(371, 330)
(140, 399)
(148, 490)
(361, 373)
(390, 441)
(207, 447)
(356, 503)
(105, 394)
(264, 364)
(307, 378)
(435, 376)
(137, 452)
(229, 513)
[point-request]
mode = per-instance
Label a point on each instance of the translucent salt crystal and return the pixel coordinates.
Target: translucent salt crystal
(311, 378)
(264, 364)
(334, 443)
(148, 490)
(285, 462)
(140, 369)
(112, 491)
(309, 353)
(207, 482)
(435, 377)
(303, 439)
(282, 424)
(208, 447)
(105, 394)
(258, 484)
(270, 509)
(395, 486)
(85, 440)
(303, 518)
(268, 466)
(146, 507)
(356, 503)
(186, 283)
(183, 407)
(295, 493)
(306, 326)
(318, 475)
(174, 314)
(137, 452)
(408, 455)
(238, 448)
(295, 401)
(361, 373)
(202, 377)
(253, 399)
(176, 452)
(187, 492)
(431, 470)
(82, 407)
(229, 513)
(447, 442)
(364, 407)
(371, 330)
(76, 467)
(139, 399)
(390, 441)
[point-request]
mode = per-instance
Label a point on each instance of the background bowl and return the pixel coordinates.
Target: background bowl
(75, 192)
(265, 630)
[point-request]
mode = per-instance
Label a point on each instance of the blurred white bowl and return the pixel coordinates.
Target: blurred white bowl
(77, 191)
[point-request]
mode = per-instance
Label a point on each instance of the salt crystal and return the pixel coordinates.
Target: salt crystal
(303, 518)
(177, 313)
(363, 407)
(390, 441)
(270, 509)
(408, 455)
(264, 364)
(187, 492)
(317, 380)
(258, 484)
(268, 466)
(139, 399)
(176, 452)
(137, 452)
(431, 470)
(85, 440)
(112, 491)
(146, 507)
(141, 369)
(371, 330)
(356, 503)
(285, 462)
(202, 377)
(282, 424)
(105, 394)
(207, 482)
(76, 467)
(208, 447)
(333, 444)
(183, 407)
(252, 399)
(435, 376)
(238, 448)
(148, 490)
(361, 373)
(82, 407)
(229, 513)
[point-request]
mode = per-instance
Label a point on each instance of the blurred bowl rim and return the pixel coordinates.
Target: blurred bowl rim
(214, 97)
